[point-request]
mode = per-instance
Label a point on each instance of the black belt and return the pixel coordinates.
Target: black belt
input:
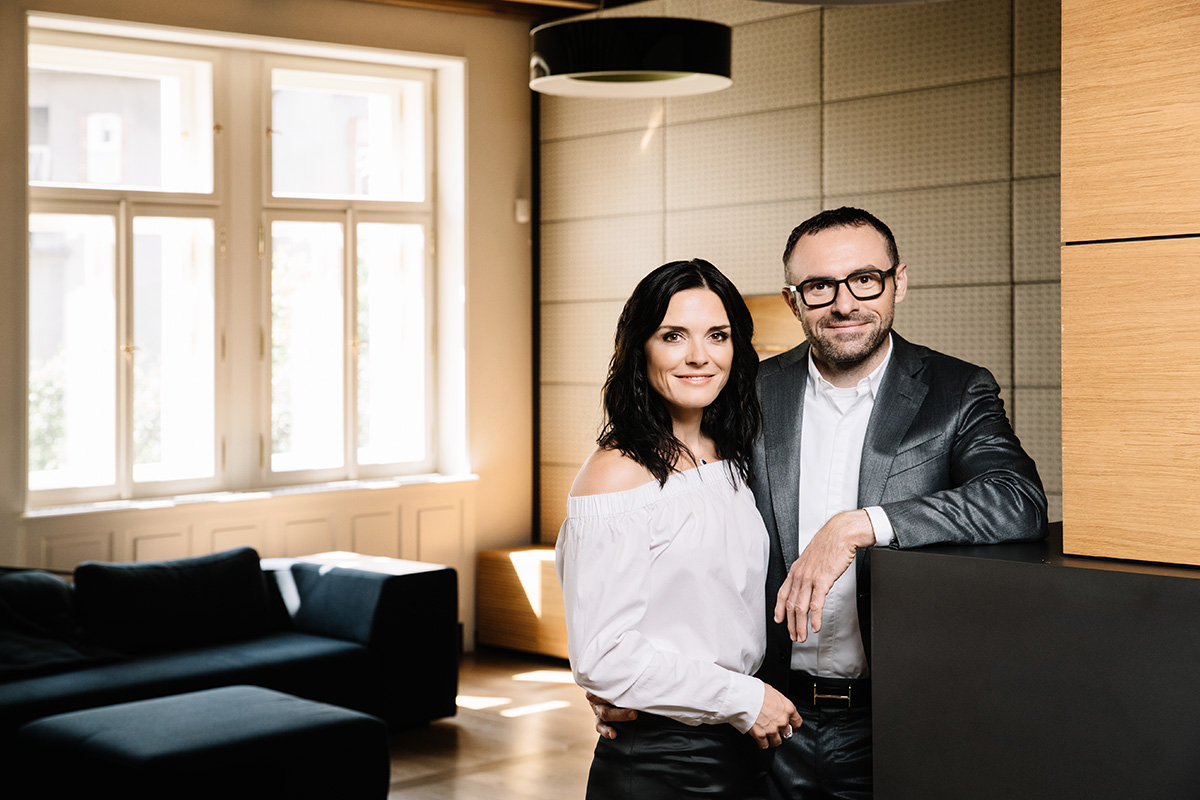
(811, 691)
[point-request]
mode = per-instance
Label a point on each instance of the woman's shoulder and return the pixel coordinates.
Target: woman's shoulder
(608, 471)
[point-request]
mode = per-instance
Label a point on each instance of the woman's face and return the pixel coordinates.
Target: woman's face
(688, 357)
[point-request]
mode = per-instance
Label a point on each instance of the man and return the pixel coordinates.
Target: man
(868, 441)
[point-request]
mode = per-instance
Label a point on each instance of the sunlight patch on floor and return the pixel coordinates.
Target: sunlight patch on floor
(477, 702)
(536, 708)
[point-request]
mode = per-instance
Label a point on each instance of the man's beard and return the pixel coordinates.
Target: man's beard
(847, 354)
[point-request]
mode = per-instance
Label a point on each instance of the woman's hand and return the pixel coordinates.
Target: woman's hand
(606, 712)
(777, 719)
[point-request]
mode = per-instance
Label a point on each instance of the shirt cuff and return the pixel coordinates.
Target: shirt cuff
(744, 700)
(883, 527)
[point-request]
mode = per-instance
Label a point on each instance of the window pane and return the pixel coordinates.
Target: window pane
(173, 370)
(391, 343)
(114, 120)
(368, 132)
(307, 346)
(72, 351)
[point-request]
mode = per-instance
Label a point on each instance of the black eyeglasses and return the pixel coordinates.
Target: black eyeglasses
(866, 284)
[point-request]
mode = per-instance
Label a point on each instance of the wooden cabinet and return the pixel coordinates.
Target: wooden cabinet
(520, 602)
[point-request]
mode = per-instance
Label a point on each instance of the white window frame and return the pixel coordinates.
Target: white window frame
(348, 211)
(240, 464)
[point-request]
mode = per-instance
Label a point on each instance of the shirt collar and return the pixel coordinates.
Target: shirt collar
(817, 382)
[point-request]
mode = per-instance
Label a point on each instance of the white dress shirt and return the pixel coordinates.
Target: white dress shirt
(831, 442)
(664, 591)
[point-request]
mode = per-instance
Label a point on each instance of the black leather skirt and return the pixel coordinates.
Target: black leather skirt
(656, 758)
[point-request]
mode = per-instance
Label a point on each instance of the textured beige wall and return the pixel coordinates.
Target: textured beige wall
(499, 292)
(940, 118)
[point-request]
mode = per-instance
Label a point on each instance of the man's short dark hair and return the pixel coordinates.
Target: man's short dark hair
(844, 217)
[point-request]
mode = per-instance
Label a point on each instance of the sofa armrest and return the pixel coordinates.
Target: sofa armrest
(409, 622)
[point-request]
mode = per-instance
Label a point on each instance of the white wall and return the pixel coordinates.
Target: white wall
(498, 287)
(940, 118)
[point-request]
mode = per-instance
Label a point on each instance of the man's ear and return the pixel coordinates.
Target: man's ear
(790, 299)
(901, 277)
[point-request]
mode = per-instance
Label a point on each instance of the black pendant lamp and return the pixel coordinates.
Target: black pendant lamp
(630, 57)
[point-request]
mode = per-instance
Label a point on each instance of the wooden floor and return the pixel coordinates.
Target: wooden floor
(523, 731)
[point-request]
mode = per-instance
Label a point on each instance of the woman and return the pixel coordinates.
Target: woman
(663, 556)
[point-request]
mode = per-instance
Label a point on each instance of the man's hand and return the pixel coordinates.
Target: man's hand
(606, 712)
(827, 556)
(776, 721)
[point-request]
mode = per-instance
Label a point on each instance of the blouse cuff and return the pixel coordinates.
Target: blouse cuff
(743, 701)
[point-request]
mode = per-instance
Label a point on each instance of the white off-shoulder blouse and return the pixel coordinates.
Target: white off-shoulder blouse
(664, 596)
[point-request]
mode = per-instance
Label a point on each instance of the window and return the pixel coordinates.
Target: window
(103, 118)
(192, 227)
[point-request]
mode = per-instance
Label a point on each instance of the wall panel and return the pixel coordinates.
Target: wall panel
(601, 258)
(1131, 431)
(1035, 125)
(64, 552)
(1037, 419)
(1037, 329)
(563, 117)
(376, 533)
(1131, 119)
(577, 341)
(1037, 33)
(555, 486)
(1035, 229)
(903, 47)
(619, 173)
(973, 323)
(747, 159)
(571, 417)
(936, 137)
(154, 544)
(211, 535)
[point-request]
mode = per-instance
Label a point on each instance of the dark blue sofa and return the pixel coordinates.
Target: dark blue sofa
(383, 644)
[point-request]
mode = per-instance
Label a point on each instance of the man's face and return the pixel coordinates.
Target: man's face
(850, 332)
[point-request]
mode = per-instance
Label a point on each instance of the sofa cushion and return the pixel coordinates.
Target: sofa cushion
(315, 667)
(36, 602)
(38, 633)
(166, 605)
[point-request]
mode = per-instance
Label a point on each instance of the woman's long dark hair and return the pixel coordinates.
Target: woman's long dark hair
(637, 422)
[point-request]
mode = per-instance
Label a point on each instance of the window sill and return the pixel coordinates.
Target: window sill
(242, 496)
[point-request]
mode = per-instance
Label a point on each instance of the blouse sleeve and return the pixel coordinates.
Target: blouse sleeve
(603, 565)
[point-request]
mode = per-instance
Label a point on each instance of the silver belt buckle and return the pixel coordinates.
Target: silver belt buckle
(845, 696)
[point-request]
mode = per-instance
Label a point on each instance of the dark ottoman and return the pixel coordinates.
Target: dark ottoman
(233, 742)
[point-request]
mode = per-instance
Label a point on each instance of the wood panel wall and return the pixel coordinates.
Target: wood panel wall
(1130, 119)
(1130, 270)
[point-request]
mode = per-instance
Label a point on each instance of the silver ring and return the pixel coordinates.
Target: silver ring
(788, 735)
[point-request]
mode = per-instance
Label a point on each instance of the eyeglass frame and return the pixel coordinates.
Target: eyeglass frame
(884, 274)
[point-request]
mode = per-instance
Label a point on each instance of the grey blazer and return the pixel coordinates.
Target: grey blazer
(939, 456)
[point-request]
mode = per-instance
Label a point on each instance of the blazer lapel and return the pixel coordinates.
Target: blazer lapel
(782, 399)
(900, 397)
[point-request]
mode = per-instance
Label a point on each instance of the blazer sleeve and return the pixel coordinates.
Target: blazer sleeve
(991, 491)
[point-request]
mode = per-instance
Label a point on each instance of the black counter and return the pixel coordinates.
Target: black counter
(1013, 671)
